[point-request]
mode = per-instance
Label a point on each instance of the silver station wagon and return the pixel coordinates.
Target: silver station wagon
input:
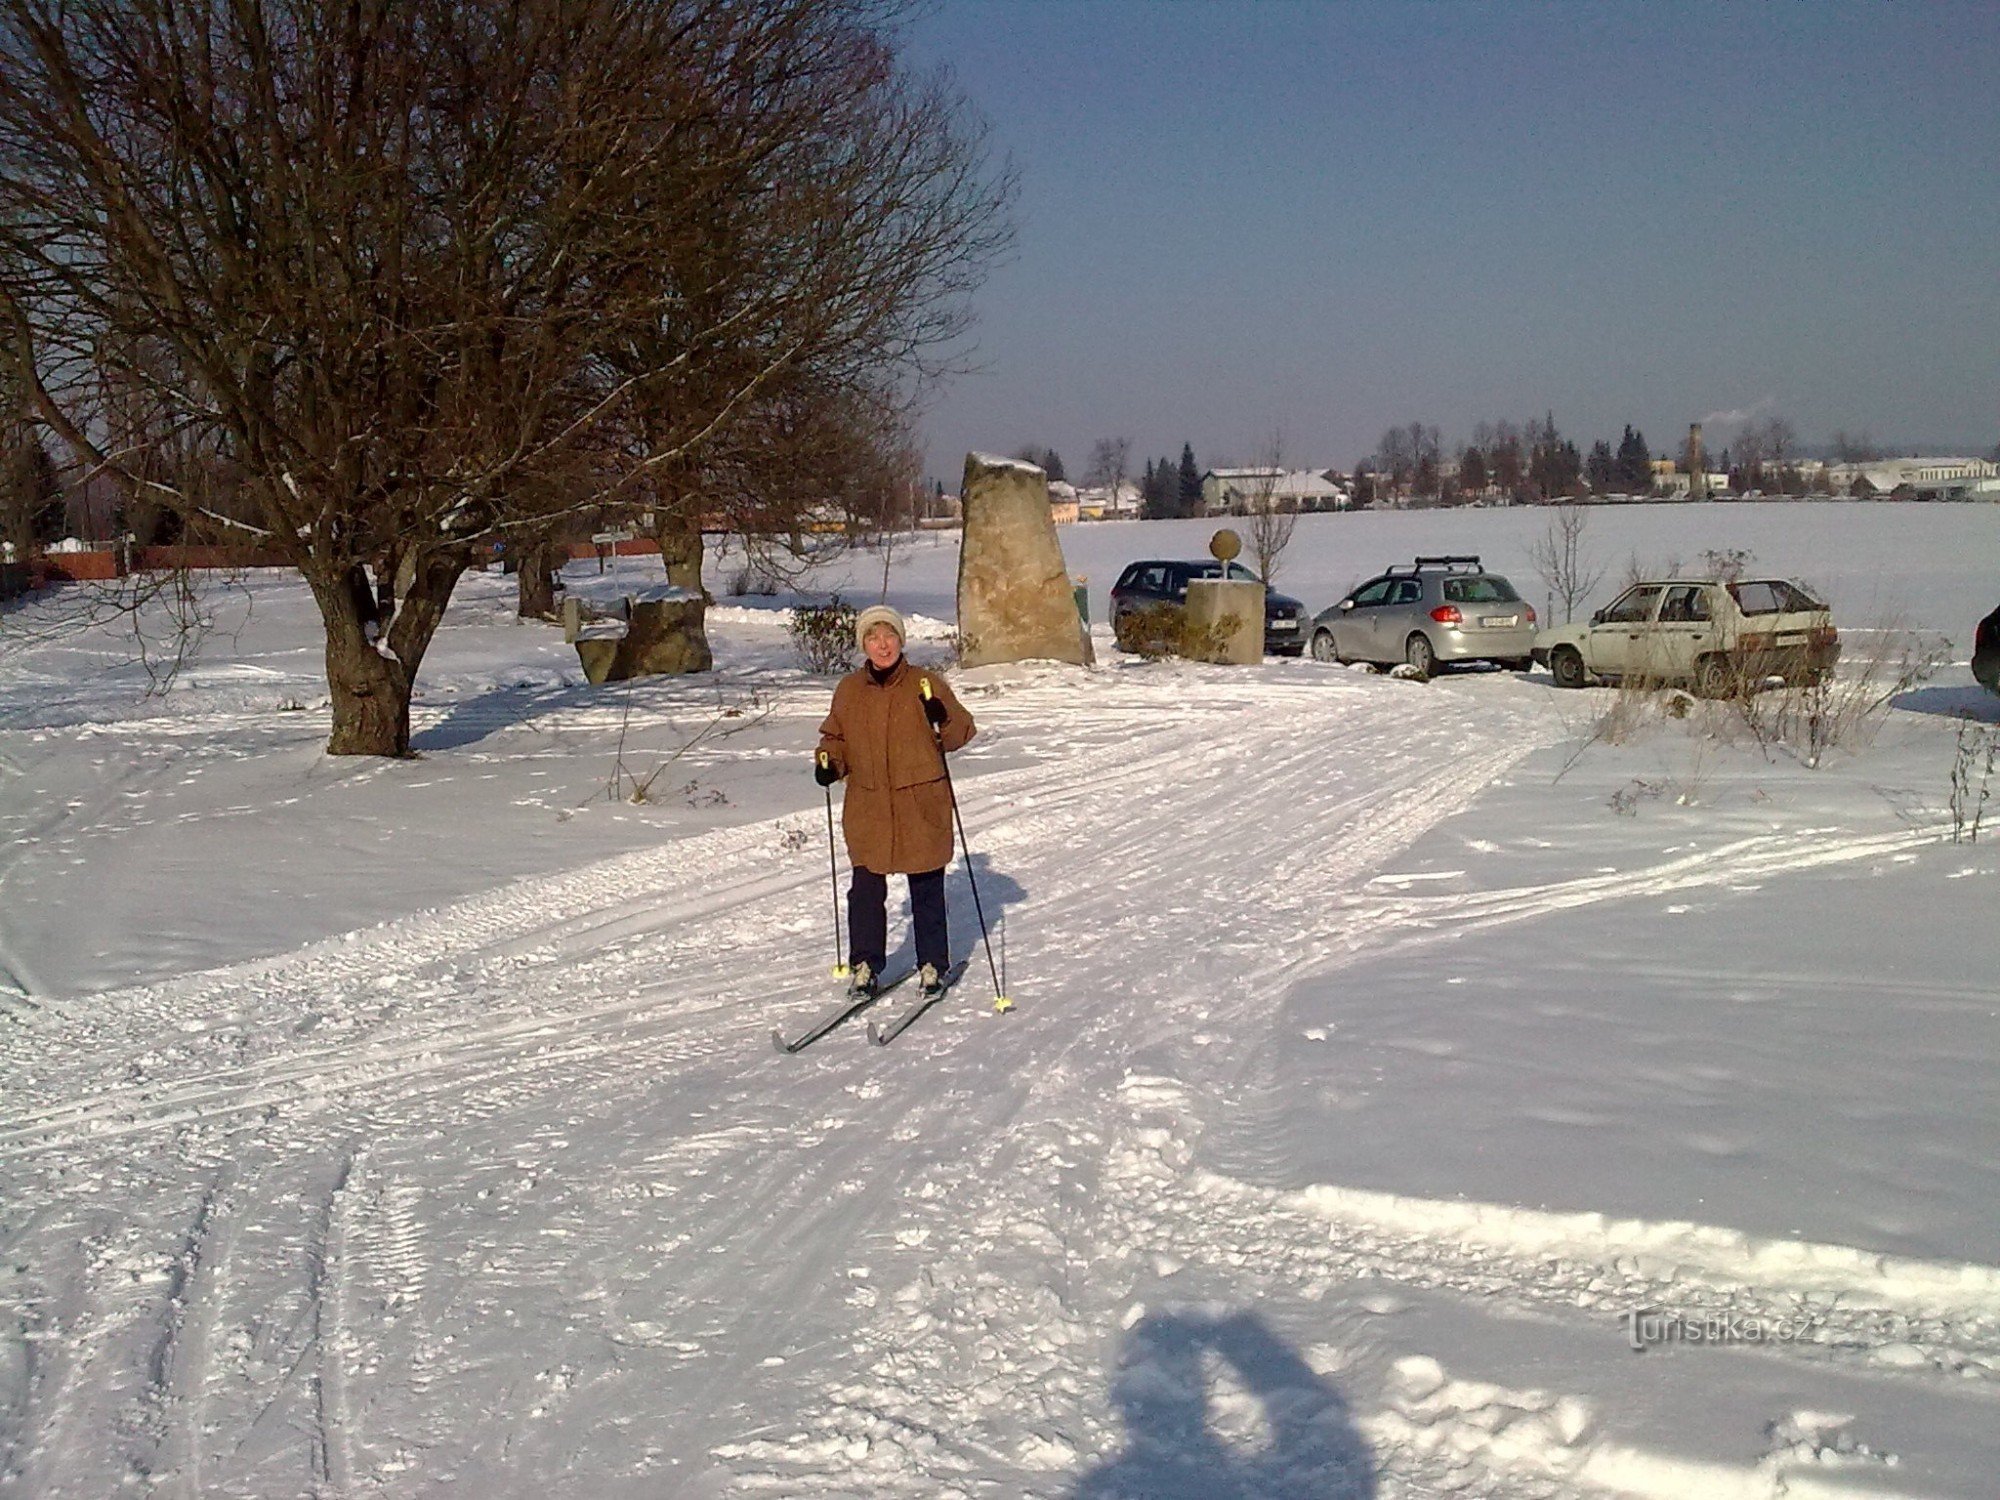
(1436, 611)
(1718, 637)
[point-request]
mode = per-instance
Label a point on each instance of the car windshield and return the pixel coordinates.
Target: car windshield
(1480, 590)
(1770, 596)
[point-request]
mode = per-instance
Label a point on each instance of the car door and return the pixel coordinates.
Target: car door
(1144, 586)
(1612, 648)
(1400, 615)
(1352, 631)
(1682, 632)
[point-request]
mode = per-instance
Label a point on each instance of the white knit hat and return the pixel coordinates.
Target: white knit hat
(877, 614)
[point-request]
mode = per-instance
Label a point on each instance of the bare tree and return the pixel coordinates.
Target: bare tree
(1396, 458)
(1109, 459)
(436, 276)
(1272, 518)
(1854, 448)
(1561, 562)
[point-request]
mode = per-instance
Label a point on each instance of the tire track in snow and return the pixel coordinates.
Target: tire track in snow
(326, 1296)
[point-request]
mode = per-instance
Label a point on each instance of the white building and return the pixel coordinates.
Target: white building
(1097, 502)
(1227, 491)
(1933, 478)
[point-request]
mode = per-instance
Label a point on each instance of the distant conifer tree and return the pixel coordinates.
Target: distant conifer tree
(1190, 495)
(1634, 463)
(1600, 470)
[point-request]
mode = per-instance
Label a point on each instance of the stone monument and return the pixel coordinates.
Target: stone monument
(654, 640)
(1015, 600)
(1225, 616)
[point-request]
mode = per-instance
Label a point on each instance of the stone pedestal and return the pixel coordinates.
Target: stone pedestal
(663, 637)
(1212, 603)
(1015, 601)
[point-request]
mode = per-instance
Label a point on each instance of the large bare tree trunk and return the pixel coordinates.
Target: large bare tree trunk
(535, 577)
(371, 697)
(371, 684)
(370, 689)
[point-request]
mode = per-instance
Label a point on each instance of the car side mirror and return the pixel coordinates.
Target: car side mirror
(1598, 618)
(1346, 604)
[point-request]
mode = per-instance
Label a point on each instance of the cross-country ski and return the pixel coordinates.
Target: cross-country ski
(894, 1026)
(850, 1005)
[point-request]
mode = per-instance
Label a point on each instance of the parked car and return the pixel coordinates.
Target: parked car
(1149, 584)
(1986, 652)
(1714, 636)
(1435, 611)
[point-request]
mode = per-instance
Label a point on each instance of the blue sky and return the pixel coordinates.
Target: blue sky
(1317, 220)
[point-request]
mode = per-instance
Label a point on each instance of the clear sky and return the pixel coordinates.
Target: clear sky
(1319, 219)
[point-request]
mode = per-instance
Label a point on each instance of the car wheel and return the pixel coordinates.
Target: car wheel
(1418, 653)
(1323, 648)
(1566, 662)
(1713, 677)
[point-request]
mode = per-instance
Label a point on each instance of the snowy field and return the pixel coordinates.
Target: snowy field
(1408, 1095)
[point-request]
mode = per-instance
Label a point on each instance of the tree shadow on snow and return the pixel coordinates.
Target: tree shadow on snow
(471, 720)
(1967, 701)
(1191, 1434)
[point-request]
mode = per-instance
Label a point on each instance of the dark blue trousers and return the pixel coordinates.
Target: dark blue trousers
(868, 919)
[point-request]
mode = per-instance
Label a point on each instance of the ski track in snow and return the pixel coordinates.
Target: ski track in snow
(355, 1157)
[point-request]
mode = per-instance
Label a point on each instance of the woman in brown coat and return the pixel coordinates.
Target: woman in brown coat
(887, 730)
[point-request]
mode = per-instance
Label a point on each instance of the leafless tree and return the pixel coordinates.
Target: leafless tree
(1271, 518)
(1854, 448)
(1410, 456)
(435, 276)
(1109, 458)
(31, 497)
(1561, 562)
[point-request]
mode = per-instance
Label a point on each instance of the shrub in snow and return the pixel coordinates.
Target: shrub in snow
(1162, 630)
(824, 636)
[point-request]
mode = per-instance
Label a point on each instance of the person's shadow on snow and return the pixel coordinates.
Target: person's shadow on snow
(997, 892)
(1299, 1443)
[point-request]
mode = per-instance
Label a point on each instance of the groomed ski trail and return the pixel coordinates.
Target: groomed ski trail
(499, 1082)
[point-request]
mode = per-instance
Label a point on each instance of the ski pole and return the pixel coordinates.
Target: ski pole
(1001, 1002)
(833, 878)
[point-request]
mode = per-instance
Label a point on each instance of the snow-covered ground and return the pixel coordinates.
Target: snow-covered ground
(1389, 1059)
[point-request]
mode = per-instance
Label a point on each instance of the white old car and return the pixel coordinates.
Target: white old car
(1714, 636)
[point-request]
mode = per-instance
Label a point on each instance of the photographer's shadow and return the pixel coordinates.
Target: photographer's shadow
(1307, 1448)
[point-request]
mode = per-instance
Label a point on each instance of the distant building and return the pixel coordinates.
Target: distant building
(1227, 491)
(1097, 502)
(1673, 481)
(1063, 508)
(1918, 478)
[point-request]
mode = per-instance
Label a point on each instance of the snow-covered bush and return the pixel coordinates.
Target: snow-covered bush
(824, 636)
(1162, 630)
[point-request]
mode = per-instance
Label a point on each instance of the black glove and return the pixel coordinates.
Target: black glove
(825, 772)
(934, 710)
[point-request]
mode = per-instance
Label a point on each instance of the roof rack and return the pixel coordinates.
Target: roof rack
(1452, 562)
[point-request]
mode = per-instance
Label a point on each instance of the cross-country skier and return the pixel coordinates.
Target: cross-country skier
(884, 734)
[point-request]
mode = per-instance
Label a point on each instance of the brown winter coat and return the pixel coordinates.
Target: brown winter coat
(897, 813)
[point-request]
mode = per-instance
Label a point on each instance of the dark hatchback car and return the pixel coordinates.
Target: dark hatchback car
(1986, 652)
(1146, 585)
